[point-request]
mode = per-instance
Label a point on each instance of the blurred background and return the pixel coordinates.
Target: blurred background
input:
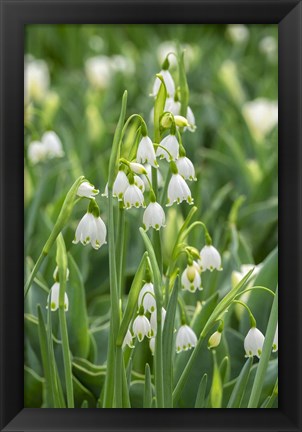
(75, 76)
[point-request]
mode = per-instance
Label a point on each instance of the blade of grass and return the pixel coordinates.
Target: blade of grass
(148, 388)
(241, 382)
(200, 398)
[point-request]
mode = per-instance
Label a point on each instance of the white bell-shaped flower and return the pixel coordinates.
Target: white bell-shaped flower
(160, 180)
(139, 183)
(137, 168)
(91, 229)
(146, 297)
(210, 258)
(191, 120)
(120, 185)
(152, 345)
(53, 144)
(146, 153)
(56, 274)
(170, 143)
(154, 216)
(190, 278)
(178, 190)
(105, 193)
(186, 168)
(54, 298)
(214, 340)
(36, 79)
(133, 197)
(172, 106)
(36, 152)
(275, 342)
(141, 327)
(185, 338)
(253, 343)
(168, 80)
(153, 320)
(87, 190)
(261, 116)
(128, 340)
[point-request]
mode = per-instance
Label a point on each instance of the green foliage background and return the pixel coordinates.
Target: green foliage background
(229, 164)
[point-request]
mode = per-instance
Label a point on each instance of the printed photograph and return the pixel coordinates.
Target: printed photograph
(151, 216)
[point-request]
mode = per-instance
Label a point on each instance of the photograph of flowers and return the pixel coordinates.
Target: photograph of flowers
(151, 216)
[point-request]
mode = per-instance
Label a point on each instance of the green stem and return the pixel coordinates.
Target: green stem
(118, 394)
(120, 245)
(66, 357)
(34, 273)
(265, 355)
(114, 299)
(52, 362)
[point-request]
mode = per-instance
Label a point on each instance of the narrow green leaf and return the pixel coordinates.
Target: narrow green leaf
(168, 332)
(148, 388)
(45, 358)
(269, 401)
(200, 398)
(84, 404)
(265, 355)
(217, 388)
(240, 386)
(77, 320)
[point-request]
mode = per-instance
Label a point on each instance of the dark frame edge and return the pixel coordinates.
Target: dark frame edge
(292, 420)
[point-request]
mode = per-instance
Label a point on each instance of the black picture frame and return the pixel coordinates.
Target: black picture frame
(16, 14)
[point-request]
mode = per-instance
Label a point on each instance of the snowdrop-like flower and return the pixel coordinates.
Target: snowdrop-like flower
(105, 193)
(191, 120)
(146, 297)
(137, 168)
(160, 180)
(185, 338)
(145, 152)
(261, 116)
(141, 327)
(168, 80)
(178, 190)
(153, 320)
(54, 298)
(186, 168)
(214, 340)
(172, 106)
(253, 343)
(152, 345)
(120, 63)
(120, 185)
(268, 46)
(238, 33)
(91, 229)
(36, 79)
(154, 216)
(128, 340)
(87, 190)
(139, 183)
(210, 258)
(171, 144)
(56, 274)
(99, 71)
(275, 342)
(53, 144)
(133, 197)
(36, 152)
(190, 278)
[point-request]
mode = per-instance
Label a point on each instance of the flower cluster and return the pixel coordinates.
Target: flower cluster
(145, 323)
(48, 147)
